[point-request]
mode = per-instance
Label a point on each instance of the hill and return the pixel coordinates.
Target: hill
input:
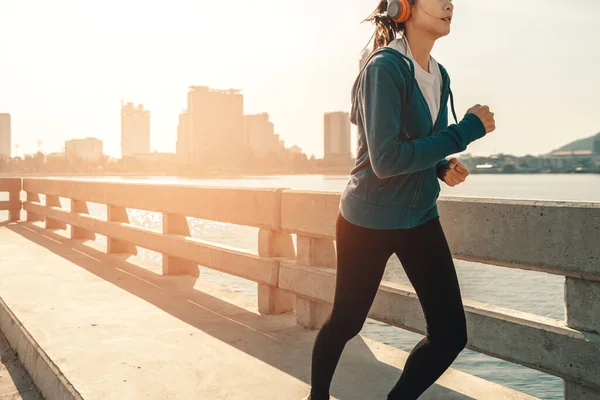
(581, 144)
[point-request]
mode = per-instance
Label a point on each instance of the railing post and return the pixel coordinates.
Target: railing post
(582, 298)
(177, 225)
(115, 246)
(314, 252)
(33, 198)
(14, 214)
(274, 244)
(79, 206)
(54, 201)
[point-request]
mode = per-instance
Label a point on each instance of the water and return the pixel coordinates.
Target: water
(536, 293)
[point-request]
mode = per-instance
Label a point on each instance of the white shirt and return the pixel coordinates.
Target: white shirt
(430, 83)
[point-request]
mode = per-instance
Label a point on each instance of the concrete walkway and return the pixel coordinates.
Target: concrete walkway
(15, 383)
(117, 329)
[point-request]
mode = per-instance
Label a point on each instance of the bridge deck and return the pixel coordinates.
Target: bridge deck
(118, 330)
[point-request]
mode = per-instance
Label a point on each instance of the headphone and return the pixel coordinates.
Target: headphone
(399, 10)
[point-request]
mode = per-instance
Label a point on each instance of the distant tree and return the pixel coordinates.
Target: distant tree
(509, 169)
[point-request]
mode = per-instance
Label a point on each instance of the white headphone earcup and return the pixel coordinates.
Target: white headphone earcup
(394, 9)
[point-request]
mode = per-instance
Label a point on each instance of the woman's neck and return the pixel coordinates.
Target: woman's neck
(420, 47)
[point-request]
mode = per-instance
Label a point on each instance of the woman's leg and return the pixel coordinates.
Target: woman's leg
(426, 258)
(362, 255)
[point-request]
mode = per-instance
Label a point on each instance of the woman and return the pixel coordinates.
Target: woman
(389, 206)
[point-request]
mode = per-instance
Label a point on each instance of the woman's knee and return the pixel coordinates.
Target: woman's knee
(451, 336)
(345, 327)
(458, 341)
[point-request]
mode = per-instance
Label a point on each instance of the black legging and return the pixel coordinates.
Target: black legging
(362, 255)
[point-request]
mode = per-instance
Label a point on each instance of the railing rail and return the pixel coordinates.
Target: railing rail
(13, 204)
(561, 238)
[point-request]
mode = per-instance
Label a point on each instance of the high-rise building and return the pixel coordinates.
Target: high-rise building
(5, 136)
(337, 138)
(88, 149)
(216, 121)
(135, 130)
(184, 137)
(260, 135)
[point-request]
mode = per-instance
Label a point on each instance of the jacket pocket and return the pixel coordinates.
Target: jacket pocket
(397, 190)
(429, 189)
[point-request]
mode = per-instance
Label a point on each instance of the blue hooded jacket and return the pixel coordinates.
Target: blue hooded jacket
(401, 151)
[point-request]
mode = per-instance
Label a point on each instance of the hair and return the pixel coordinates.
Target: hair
(386, 29)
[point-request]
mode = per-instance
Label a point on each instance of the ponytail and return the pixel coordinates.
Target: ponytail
(386, 29)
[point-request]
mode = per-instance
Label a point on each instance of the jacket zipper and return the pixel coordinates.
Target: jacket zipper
(443, 105)
(444, 100)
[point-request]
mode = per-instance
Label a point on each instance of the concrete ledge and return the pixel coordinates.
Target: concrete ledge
(218, 257)
(560, 235)
(250, 207)
(315, 283)
(14, 204)
(574, 391)
(49, 380)
(321, 207)
(15, 382)
(10, 184)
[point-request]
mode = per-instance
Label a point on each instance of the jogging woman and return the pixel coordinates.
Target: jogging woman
(399, 104)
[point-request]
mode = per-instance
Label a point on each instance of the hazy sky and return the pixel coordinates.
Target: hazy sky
(65, 65)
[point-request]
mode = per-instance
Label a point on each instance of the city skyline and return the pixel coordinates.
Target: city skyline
(258, 131)
(136, 124)
(509, 66)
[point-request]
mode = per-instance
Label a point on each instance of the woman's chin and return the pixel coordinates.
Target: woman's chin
(443, 32)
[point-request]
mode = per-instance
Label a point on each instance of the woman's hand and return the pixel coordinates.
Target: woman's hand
(485, 115)
(455, 174)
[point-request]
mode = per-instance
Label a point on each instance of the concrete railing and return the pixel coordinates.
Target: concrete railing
(561, 238)
(13, 204)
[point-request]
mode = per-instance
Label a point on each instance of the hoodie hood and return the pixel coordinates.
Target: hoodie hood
(356, 85)
(408, 70)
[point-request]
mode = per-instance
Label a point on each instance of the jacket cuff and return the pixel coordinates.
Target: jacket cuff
(441, 169)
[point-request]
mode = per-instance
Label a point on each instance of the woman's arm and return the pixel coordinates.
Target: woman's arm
(382, 122)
